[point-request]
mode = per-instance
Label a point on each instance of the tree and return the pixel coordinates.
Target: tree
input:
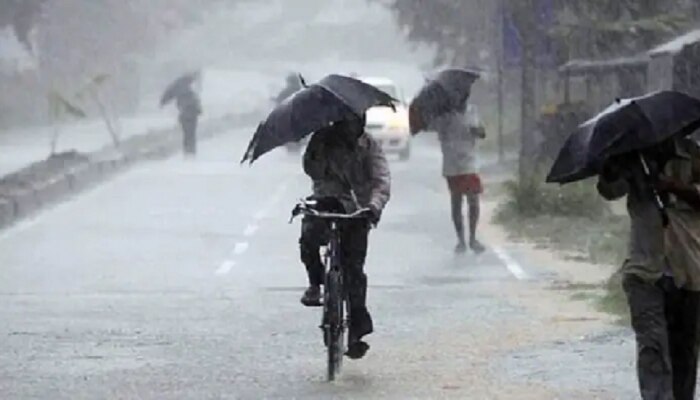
(602, 29)
(22, 16)
(582, 28)
(60, 110)
(455, 29)
(91, 91)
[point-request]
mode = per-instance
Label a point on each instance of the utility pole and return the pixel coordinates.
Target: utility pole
(499, 60)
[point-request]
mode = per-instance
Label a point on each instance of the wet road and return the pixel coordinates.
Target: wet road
(180, 280)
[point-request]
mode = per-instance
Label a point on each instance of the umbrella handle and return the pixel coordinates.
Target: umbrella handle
(657, 199)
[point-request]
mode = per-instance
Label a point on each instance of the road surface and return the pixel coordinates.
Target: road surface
(180, 279)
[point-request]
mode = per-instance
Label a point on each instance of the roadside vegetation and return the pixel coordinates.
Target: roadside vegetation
(574, 221)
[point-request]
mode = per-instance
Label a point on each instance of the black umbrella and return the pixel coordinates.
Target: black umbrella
(627, 126)
(178, 87)
(439, 96)
(333, 99)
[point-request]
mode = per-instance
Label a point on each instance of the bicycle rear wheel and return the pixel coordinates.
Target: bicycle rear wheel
(334, 330)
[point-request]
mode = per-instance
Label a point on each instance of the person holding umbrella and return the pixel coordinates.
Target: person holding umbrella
(442, 106)
(639, 149)
(189, 107)
(292, 85)
(661, 276)
(343, 163)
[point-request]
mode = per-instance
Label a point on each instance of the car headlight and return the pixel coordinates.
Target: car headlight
(396, 124)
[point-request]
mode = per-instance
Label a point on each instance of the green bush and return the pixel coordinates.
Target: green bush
(532, 197)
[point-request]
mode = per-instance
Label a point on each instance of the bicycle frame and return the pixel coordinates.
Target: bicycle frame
(335, 317)
(336, 305)
(333, 263)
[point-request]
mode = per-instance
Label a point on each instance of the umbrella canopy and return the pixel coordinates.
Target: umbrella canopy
(334, 98)
(439, 96)
(626, 126)
(178, 87)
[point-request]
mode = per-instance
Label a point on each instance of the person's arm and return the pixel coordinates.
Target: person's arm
(688, 192)
(314, 162)
(611, 183)
(381, 180)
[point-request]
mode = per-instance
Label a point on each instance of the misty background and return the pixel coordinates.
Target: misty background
(245, 49)
(50, 48)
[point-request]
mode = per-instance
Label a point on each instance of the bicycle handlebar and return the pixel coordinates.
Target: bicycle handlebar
(326, 215)
(304, 208)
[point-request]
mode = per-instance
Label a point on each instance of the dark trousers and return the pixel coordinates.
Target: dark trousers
(353, 251)
(665, 322)
(189, 135)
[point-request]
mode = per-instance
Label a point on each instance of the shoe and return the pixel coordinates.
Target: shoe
(312, 296)
(357, 350)
(461, 248)
(476, 246)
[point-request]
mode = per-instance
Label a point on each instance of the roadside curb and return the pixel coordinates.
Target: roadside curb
(26, 197)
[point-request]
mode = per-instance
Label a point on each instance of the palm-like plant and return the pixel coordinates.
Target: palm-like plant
(61, 108)
(92, 91)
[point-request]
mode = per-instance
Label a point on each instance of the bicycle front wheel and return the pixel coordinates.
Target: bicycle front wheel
(333, 304)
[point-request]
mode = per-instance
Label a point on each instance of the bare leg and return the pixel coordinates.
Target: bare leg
(474, 212)
(458, 220)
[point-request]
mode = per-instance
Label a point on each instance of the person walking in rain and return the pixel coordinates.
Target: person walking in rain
(344, 162)
(661, 276)
(190, 108)
(458, 132)
(292, 85)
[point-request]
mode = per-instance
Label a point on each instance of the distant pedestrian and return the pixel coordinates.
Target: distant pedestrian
(458, 132)
(442, 106)
(190, 109)
(293, 84)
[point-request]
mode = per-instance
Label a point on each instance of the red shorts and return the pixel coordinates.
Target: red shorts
(465, 184)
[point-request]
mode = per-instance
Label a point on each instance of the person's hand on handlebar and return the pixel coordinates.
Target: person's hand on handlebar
(372, 215)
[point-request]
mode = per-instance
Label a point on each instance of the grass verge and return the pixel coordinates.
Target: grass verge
(574, 222)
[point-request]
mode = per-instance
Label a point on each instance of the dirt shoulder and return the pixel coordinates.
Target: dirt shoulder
(540, 357)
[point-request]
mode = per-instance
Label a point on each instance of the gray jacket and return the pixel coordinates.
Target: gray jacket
(359, 176)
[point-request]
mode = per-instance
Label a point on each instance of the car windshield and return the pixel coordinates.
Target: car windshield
(388, 89)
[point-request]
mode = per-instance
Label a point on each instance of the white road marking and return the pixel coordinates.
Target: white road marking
(260, 214)
(240, 248)
(250, 230)
(272, 202)
(510, 263)
(225, 267)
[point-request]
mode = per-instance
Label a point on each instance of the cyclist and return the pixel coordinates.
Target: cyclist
(344, 162)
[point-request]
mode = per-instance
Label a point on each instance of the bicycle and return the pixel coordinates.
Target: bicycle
(336, 305)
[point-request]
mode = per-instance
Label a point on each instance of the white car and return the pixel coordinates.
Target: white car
(390, 128)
